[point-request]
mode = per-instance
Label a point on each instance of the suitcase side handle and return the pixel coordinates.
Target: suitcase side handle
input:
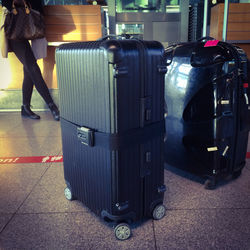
(205, 38)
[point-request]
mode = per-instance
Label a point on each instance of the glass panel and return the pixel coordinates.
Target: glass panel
(125, 5)
(137, 5)
(173, 2)
(172, 6)
(135, 30)
(64, 2)
(144, 5)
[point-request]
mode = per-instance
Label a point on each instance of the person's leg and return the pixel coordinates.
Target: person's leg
(36, 76)
(27, 87)
(27, 90)
(24, 53)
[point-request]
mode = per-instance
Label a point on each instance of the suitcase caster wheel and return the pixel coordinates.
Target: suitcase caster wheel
(209, 184)
(122, 231)
(159, 212)
(68, 194)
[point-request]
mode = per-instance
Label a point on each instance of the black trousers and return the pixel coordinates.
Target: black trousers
(31, 71)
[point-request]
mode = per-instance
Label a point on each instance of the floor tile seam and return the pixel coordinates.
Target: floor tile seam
(8, 132)
(59, 152)
(56, 154)
(78, 212)
(16, 212)
(50, 213)
(27, 137)
(17, 126)
(35, 164)
(212, 208)
(153, 226)
(9, 220)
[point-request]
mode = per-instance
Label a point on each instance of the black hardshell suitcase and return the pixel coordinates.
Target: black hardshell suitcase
(112, 122)
(207, 116)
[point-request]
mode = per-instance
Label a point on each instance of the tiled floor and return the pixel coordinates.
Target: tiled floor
(34, 213)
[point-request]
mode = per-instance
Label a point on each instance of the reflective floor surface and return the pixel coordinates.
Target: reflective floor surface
(34, 213)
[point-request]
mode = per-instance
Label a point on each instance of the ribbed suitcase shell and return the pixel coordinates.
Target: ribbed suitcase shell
(108, 86)
(207, 118)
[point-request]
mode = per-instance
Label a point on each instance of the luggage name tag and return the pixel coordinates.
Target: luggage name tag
(225, 102)
(211, 43)
(211, 149)
(245, 86)
(225, 150)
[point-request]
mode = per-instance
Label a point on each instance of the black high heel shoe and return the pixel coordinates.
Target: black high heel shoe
(26, 112)
(54, 110)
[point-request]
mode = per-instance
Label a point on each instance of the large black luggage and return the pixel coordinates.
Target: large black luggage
(207, 121)
(112, 122)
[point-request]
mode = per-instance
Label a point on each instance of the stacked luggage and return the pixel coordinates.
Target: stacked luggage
(112, 123)
(208, 112)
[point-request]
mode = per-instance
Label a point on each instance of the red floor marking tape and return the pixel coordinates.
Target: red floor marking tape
(31, 159)
(42, 159)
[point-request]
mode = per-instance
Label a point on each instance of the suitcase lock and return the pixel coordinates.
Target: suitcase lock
(86, 136)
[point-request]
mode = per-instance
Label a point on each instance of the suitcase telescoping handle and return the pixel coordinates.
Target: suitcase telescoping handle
(225, 19)
(205, 38)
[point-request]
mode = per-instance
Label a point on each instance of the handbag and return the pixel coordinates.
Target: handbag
(24, 23)
(39, 48)
(3, 40)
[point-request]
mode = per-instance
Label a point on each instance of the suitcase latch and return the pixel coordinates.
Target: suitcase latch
(146, 110)
(162, 69)
(86, 136)
(161, 189)
(120, 71)
(122, 206)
